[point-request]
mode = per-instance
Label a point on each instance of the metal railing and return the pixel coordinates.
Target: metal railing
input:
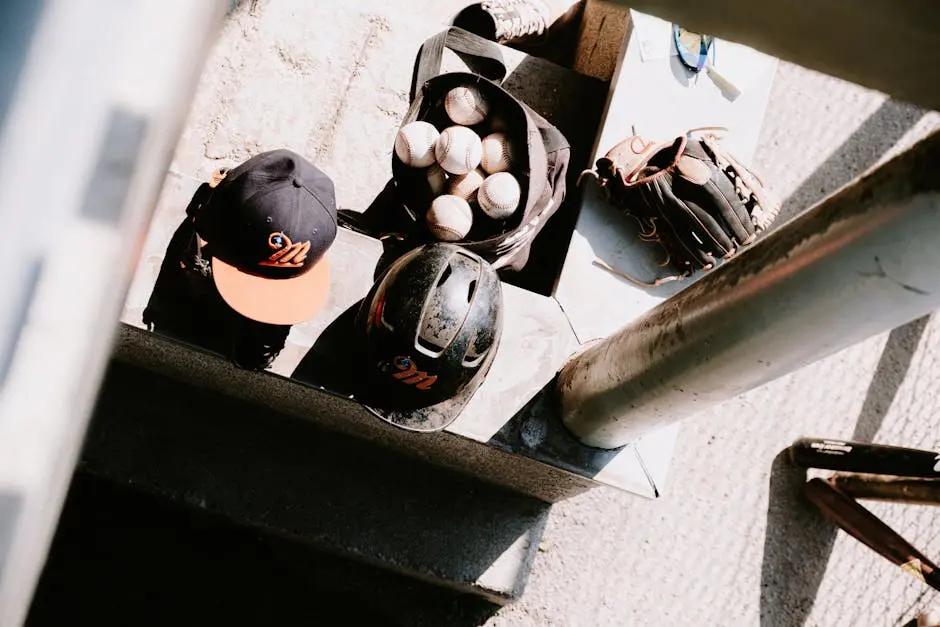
(92, 105)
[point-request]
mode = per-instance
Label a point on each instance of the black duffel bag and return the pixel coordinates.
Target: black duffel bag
(540, 158)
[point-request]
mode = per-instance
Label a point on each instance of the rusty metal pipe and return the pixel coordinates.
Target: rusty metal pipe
(861, 262)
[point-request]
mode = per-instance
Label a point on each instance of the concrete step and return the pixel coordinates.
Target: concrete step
(335, 493)
(121, 556)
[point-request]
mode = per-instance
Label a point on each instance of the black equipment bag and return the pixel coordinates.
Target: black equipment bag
(398, 212)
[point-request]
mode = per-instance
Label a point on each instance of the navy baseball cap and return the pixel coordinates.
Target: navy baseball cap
(267, 227)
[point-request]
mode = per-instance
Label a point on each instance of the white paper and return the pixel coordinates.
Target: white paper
(738, 65)
(654, 36)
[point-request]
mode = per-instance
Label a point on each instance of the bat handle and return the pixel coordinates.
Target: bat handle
(932, 579)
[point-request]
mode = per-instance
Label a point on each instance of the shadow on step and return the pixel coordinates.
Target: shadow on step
(322, 492)
(122, 557)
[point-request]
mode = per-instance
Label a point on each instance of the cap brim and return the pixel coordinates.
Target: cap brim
(273, 301)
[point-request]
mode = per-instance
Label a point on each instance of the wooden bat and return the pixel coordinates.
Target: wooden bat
(912, 490)
(876, 459)
(870, 530)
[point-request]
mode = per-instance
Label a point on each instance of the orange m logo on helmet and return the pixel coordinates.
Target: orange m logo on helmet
(411, 375)
(286, 254)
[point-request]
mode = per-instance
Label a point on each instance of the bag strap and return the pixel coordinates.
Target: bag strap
(481, 56)
(385, 216)
(553, 139)
(200, 197)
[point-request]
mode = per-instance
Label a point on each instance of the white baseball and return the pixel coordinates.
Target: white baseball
(449, 218)
(466, 185)
(466, 105)
(499, 195)
(496, 156)
(415, 143)
(437, 179)
(458, 149)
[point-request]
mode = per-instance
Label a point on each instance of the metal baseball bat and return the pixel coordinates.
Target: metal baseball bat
(911, 490)
(868, 529)
(876, 459)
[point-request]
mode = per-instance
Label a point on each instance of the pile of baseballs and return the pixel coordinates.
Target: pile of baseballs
(464, 171)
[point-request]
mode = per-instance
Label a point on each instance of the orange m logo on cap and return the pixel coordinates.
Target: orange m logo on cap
(411, 375)
(286, 254)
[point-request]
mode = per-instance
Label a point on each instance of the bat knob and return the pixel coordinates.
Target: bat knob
(929, 618)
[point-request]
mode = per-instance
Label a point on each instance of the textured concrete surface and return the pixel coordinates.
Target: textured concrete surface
(731, 542)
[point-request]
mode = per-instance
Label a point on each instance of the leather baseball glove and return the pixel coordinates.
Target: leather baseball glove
(691, 196)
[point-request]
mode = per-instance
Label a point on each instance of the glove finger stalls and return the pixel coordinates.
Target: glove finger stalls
(692, 209)
(718, 191)
(731, 206)
(676, 242)
(767, 204)
(692, 226)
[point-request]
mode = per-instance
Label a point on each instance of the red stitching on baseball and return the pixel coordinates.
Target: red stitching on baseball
(467, 161)
(411, 150)
(449, 229)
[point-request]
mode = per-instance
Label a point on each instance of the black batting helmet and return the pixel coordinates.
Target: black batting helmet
(431, 326)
